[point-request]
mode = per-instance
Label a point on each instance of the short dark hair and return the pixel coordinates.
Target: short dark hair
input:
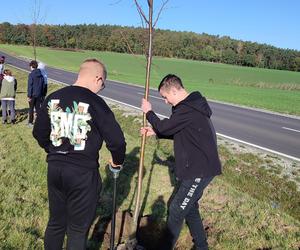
(169, 81)
(94, 60)
(33, 64)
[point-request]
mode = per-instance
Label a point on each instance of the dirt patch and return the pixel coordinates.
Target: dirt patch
(148, 235)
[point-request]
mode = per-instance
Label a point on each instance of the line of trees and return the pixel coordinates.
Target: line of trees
(187, 45)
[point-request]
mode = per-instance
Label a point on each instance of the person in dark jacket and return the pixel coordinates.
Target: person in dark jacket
(35, 90)
(71, 126)
(196, 156)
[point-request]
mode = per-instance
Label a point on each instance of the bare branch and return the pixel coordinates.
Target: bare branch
(36, 19)
(36, 10)
(37, 16)
(142, 20)
(116, 2)
(160, 11)
(127, 43)
(129, 48)
(141, 12)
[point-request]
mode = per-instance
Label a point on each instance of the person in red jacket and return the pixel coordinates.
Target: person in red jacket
(71, 126)
(196, 156)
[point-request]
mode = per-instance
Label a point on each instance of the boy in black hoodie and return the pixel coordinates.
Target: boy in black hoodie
(196, 156)
(35, 90)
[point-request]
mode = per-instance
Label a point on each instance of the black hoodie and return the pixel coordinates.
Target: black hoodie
(195, 141)
(73, 123)
(36, 84)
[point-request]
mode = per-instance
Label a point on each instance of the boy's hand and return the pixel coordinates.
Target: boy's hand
(113, 165)
(148, 131)
(115, 169)
(146, 106)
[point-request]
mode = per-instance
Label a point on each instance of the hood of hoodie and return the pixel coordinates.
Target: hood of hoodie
(198, 102)
(41, 66)
(9, 78)
(36, 73)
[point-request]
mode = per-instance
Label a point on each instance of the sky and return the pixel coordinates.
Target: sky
(274, 22)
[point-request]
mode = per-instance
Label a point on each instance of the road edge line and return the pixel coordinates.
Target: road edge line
(219, 134)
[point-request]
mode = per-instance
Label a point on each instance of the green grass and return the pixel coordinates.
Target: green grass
(262, 88)
(245, 208)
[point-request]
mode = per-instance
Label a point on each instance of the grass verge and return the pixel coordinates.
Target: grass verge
(248, 207)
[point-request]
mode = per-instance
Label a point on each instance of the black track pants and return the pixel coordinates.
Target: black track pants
(184, 207)
(73, 194)
(35, 103)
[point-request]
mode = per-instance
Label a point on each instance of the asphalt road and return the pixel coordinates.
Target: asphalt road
(271, 132)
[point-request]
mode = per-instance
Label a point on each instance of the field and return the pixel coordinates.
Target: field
(262, 88)
(248, 207)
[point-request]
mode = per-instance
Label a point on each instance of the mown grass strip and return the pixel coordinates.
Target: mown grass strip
(275, 90)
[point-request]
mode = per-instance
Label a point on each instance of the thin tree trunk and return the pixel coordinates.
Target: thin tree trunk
(143, 141)
(34, 41)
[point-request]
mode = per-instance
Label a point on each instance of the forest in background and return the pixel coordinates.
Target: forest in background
(172, 44)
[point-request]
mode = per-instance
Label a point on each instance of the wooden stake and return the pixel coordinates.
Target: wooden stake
(143, 141)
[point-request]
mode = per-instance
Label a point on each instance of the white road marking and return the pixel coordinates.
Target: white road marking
(263, 148)
(295, 130)
(219, 134)
(20, 68)
(123, 103)
(160, 98)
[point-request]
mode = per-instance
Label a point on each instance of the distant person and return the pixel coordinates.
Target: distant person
(71, 126)
(35, 90)
(42, 68)
(2, 61)
(7, 95)
(196, 156)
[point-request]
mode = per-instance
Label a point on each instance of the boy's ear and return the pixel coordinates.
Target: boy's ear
(173, 90)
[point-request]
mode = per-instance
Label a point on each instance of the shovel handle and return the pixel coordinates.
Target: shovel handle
(113, 219)
(115, 170)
